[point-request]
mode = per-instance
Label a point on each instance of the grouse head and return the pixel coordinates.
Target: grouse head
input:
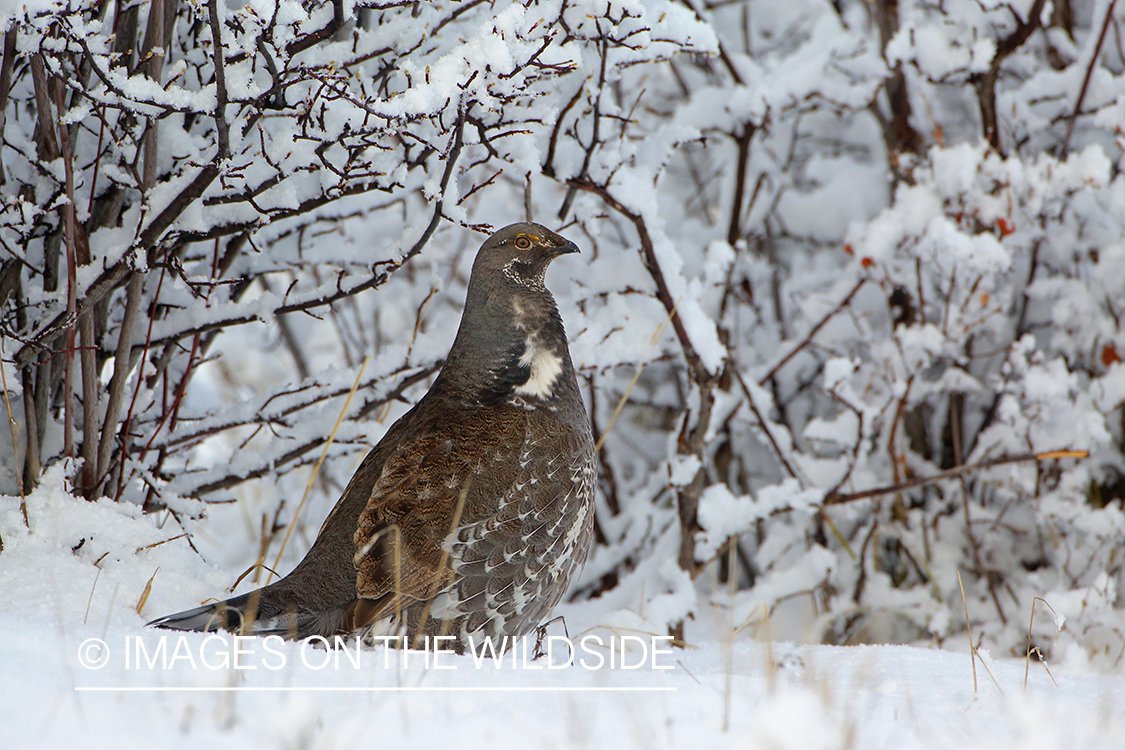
(511, 346)
(516, 258)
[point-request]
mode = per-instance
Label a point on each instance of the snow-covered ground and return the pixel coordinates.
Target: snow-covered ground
(83, 568)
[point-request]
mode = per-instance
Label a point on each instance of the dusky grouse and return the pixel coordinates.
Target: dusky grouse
(473, 513)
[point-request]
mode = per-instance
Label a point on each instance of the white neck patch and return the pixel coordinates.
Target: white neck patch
(545, 366)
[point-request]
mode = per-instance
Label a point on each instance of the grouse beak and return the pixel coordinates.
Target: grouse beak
(566, 248)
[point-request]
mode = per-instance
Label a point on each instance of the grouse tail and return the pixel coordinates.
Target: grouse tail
(255, 614)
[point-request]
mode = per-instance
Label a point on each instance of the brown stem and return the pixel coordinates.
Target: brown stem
(985, 83)
(47, 146)
(556, 129)
(321, 34)
(446, 176)
(699, 371)
(152, 64)
(72, 278)
(122, 364)
(901, 135)
(693, 442)
(595, 135)
(191, 192)
(687, 497)
(124, 432)
(743, 140)
(222, 128)
(839, 498)
(6, 80)
(88, 359)
(32, 463)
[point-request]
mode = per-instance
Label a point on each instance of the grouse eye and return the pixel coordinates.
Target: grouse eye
(523, 243)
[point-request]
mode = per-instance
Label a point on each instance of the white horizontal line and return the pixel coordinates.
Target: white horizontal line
(315, 689)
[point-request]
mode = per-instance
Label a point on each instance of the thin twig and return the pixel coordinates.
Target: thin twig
(152, 63)
(1086, 80)
(956, 407)
(648, 255)
(838, 498)
(812, 333)
(439, 576)
(762, 421)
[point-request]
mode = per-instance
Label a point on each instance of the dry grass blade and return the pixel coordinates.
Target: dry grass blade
(1043, 661)
(836, 533)
(728, 657)
(771, 662)
(439, 574)
(969, 625)
(316, 468)
(636, 376)
(1030, 648)
(259, 564)
(620, 406)
(984, 664)
(90, 600)
(396, 531)
(162, 541)
(147, 590)
(398, 573)
(1061, 454)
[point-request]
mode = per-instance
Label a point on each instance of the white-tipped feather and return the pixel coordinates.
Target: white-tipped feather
(546, 366)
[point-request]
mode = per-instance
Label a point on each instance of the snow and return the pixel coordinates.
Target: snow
(682, 469)
(74, 582)
(990, 272)
(723, 515)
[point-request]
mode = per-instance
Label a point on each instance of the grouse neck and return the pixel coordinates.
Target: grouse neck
(510, 349)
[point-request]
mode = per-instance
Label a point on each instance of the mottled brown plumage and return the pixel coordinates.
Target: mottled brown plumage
(475, 510)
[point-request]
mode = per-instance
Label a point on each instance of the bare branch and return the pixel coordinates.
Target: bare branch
(1086, 79)
(985, 83)
(221, 125)
(839, 498)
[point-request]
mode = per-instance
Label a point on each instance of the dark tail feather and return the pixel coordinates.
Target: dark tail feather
(229, 615)
(248, 615)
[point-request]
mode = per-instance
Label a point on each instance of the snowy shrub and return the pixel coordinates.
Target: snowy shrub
(850, 270)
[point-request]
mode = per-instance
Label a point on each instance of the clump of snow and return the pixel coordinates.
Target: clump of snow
(723, 515)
